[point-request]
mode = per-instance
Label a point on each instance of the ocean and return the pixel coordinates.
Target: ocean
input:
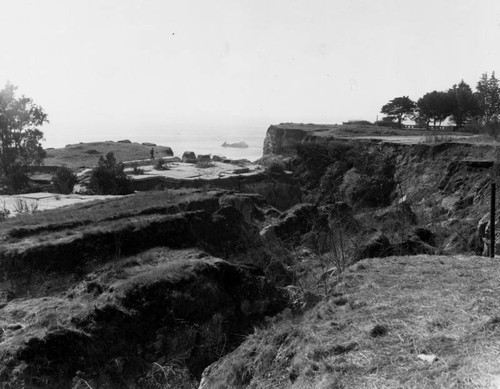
(201, 141)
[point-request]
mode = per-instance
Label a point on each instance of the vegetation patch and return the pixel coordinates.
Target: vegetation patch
(408, 312)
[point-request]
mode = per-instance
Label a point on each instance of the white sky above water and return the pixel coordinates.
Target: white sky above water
(106, 67)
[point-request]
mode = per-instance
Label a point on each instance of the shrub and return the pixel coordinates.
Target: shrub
(275, 168)
(137, 170)
(161, 164)
(109, 177)
(64, 180)
(4, 211)
(204, 164)
(17, 178)
(25, 206)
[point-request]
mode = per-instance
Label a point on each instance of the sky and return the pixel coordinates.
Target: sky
(111, 67)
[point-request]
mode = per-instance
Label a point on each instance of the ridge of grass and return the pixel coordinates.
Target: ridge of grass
(394, 311)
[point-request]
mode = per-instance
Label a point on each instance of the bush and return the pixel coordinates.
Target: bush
(161, 164)
(359, 122)
(137, 170)
(385, 123)
(64, 180)
(275, 168)
(109, 178)
(17, 178)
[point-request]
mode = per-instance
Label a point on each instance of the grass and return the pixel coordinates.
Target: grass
(87, 154)
(94, 212)
(397, 309)
(437, 138)
(355, 130)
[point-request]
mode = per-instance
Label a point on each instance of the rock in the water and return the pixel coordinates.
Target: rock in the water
(240, 145)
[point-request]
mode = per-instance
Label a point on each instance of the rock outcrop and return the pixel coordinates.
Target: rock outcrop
(189, 157)
(238, 145)
(112, 332)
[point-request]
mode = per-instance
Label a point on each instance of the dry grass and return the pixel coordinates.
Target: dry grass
(87, 154)
(384, 313)
(122, 207)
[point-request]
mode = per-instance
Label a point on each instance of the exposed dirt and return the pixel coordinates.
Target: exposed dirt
(115, 297)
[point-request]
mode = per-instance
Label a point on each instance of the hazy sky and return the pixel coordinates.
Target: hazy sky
(106, 66)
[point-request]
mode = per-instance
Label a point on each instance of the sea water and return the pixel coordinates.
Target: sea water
(200, 140)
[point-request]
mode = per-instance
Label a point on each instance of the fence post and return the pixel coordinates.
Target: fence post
(492, 220)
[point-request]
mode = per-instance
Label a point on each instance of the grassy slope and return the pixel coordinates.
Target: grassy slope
(384, 313)
(103, 210)
(87, 154)
(355, 130)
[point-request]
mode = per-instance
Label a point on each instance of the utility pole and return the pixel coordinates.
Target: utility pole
(492, 219)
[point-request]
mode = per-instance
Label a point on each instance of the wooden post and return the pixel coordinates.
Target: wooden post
(492, 220)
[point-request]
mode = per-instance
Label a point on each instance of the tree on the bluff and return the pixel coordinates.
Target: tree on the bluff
(466, 105)
(109, 178)
(435, 106)
(399, 109)
(488, 96)
(20, 135)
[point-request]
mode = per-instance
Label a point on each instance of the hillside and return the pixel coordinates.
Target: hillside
(323, 269)
(87, 154)
(398, 322)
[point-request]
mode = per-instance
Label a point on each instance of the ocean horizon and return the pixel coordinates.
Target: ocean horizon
(200, 141)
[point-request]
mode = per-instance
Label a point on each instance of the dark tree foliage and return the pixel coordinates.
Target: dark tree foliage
(20, 135)
(435, 106)
(109, 178)
(64, 180)
(466, 104)
(399, 109)
(488, 97)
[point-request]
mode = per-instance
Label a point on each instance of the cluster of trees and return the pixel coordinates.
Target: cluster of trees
(20, 147)
(460, 104)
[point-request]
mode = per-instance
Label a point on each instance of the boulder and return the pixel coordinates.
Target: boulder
(149, 144)
(189, 157)
(294, 223)
(378, 246)
(204, 158)
(396, 214)
(168, 151)
(125, 141)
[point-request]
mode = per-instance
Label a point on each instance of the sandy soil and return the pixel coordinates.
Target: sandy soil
(179, 170)
(43, 201)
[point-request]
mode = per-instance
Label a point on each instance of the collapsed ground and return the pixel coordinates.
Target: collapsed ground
(187, 275)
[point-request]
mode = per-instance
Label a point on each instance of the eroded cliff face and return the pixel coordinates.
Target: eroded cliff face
(446, 184)
(144, 295)
(283, 139)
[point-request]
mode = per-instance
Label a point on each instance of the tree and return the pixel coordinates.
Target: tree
(466, 105)
(399, 109)
(19, 133)
(435, 106)
(109, 178)
(488, 96)
(64, 180)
